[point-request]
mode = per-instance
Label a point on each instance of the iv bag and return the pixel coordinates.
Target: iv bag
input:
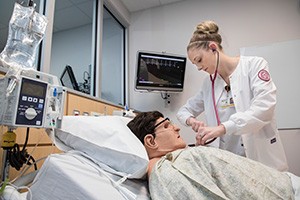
(26, 30)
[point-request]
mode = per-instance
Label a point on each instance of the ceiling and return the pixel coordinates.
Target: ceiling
(68, 10)
(136, 5)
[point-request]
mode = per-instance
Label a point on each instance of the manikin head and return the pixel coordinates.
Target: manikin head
(157, 133)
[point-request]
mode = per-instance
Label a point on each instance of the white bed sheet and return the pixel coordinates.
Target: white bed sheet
(71, 176)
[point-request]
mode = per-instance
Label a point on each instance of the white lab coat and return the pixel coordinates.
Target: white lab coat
(254, 120)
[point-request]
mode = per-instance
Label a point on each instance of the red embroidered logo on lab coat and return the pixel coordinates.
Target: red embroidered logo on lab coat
(264, 75)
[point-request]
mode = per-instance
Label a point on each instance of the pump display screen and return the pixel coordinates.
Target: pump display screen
(33, 88)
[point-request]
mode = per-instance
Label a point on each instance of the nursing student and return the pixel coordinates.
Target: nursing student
(238, 98)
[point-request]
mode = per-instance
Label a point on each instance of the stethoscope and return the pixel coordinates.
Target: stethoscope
(212, 79)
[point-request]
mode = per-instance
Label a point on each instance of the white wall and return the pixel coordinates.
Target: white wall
(242, 23)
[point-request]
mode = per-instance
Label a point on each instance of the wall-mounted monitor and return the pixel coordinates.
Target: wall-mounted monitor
(68, 79)
(160, 71)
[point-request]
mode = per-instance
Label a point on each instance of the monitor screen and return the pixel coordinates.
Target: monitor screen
(160, 71)
(68, 79)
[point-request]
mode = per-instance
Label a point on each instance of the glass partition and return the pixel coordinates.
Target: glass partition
(73, 44)
(72, 40)
(113, 59)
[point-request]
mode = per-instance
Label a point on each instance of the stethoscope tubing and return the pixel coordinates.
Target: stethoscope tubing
(212, 79)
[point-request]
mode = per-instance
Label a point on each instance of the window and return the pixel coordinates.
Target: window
(6, 10)
(72, 40)
(74, 44)
(113, 60)
(96, 58)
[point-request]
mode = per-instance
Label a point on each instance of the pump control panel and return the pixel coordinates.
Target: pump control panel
(32, 103)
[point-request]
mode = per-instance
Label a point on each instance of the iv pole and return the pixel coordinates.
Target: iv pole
(8, 139)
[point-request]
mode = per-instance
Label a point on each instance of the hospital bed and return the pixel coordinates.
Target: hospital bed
(101, 159)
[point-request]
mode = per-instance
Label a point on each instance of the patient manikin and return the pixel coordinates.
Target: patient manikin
(26, 30)
(176, 171)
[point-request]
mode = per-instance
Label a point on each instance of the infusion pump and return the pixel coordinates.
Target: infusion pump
(32, 103)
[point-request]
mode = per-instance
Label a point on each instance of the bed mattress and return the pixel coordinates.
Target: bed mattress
(72, 176)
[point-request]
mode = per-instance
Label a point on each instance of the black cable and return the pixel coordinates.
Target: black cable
(26, 139)
(15, 157)
(30, 3)
(18, 158)
(84, 75)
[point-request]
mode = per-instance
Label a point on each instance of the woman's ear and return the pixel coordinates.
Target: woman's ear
(213, 46)
(149, 141)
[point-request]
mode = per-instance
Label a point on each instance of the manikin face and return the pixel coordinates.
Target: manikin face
(167, 136)
(205, 60)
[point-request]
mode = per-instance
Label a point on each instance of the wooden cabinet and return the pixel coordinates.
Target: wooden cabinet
(75, 103)
(86, 105)
(38, 146)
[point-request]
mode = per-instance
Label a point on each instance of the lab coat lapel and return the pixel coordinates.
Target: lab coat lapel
(219, 85)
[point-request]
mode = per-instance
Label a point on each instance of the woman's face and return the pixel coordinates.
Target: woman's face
(204, 59)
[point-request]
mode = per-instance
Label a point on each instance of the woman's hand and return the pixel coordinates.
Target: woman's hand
(195, 124)
(206, 134)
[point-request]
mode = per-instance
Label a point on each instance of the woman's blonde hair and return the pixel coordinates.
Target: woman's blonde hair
(205, 33)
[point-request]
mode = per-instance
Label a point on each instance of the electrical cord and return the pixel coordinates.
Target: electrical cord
(86, 85)
(25, 169)
(18, 158)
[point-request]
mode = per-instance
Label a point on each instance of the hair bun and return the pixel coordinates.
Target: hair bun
(207, 27)
(205, 32)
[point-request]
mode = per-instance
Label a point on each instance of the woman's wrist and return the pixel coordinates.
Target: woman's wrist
(188, 121)
(223, 129)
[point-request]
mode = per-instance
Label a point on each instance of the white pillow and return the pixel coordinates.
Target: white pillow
(107, 139)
